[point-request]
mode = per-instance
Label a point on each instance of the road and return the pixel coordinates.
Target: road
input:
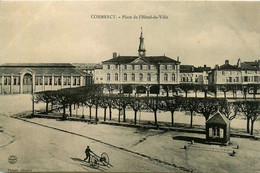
(38, 148)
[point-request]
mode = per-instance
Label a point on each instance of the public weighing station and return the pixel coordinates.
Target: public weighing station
(218, 129)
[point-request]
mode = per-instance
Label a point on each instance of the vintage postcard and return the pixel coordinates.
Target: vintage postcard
(129, 86)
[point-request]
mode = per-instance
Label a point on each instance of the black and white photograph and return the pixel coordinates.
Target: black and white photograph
(130, 86)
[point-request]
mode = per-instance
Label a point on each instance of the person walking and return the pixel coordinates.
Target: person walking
(87, 151)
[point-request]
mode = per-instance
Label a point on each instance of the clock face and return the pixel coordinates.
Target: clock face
(141, 53)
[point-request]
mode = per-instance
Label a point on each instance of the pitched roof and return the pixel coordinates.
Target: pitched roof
(191, 68)
(151, 59)
(37, 65)
(41, 70)
(228, 67)
(218, 118)
(254, 65)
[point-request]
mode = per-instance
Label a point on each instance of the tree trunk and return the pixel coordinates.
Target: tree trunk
(195, 94)
(124, 114)
(191, 119)
(155, 117)
(247, 124)
(70, 105)
(47, 105)
(252, 127)
(96, 118)
(119, 111)
(64, 112)
(205, 94)
(90, 107)
(225, 95)
(110, 113)
(51, 106)
(135, 116)
(186, 94)
(105, 114)
(172, 116)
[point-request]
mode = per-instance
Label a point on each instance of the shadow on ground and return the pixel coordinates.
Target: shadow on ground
(189, 139)
(89, 165)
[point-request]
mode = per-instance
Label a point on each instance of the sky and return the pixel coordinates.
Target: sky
(64, 31)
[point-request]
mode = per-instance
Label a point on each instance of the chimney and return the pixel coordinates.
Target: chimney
(205, 65)
(216, 66)
(178, 58)
(114, 54)
(239, 63)
(226, 62)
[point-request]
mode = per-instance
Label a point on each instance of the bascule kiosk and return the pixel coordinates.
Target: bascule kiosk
(218, 129)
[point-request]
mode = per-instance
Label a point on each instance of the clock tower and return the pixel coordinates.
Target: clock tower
(141, 50)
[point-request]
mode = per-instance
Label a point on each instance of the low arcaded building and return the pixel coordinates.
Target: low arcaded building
(18, 78)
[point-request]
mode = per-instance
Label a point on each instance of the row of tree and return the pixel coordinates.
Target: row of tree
(92, 96)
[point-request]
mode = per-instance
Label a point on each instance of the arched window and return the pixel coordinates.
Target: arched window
(125, 67)
(108, 66)
(116, 77)
(133, 67)
(125, 77)
(141, 76)
(133, 77)
(141, 67)
(165, 77)
(149, 77)
(149, 67)
(173, 77)
(108, 77)
(165, 67)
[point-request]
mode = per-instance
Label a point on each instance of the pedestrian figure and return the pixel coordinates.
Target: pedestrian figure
(87, 151)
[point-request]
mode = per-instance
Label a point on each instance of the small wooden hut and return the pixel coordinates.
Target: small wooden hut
(218, 129)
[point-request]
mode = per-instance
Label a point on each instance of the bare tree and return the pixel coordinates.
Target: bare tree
(190, 105)
(171, 104)
(207, 106)
(228, 109)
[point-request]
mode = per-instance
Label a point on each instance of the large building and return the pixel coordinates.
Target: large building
(139, 69)
(242, 73)
(29, 78)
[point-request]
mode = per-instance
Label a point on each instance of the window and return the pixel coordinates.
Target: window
(245, 78)
(66, 80)
(173, 66)
(256, 78)
(173, 77)
(141, 76)
(0, 80)
(149, 77)
(230, 79)
(165, 67)
(133, 77)
(108, 77)
(141, 67)
(116, 77)
(108, 66)
(47, 80)
(57, 80)
(149, 67)
(7, 80)
(133, 67)
(16, 80)
(237, 79)
(125, 77)
(125, 66)
(223, 72)
(38, 80)
(183, 79)
(116, 66)
(165, 77)
(76, 80)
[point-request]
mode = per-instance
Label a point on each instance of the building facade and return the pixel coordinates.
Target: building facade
(139, 69)
(242, 73)
(30, 78)
(194, 75)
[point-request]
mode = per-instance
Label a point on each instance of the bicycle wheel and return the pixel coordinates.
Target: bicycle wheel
(104, 159)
